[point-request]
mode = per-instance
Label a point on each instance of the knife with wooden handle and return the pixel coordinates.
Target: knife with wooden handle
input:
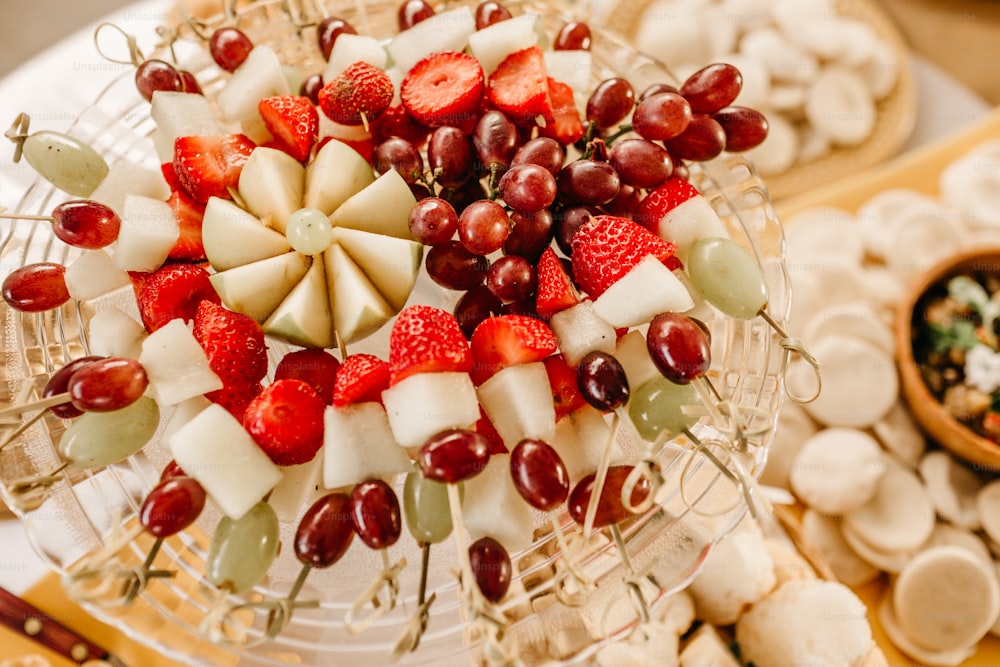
(22, 617)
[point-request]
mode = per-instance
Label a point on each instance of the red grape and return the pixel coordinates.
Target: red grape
(172, 506)
(745, 128)
(610, 102)
(154, 75)
(317, 368)
(433, 221)
(229, 47)
(450, 156)
(703, 140)
(512, 278)
(325, 531)
(655, 88)
(375, 513)
(539, 474)
(461, 197)
(712, 87)
(588, 182)
(602, 381)
(661, 116)
(641, 163)
(567, 222)
(59, 384)
(412, 12)
(37, 287)
(85, 224)
(496, 140)
(171, 470)
(311, 86)
(573, 36)
(190, 83)
(678, 347)
(491, 567)
(483, 227)
(399, 154)
(107, 384)
(543, 151)
(327, 32)
(530, 235)
(527, 188)
(625, 204)
(450, 265)
(475, 306)
(453, 455)
(610, 509)
(490, 12)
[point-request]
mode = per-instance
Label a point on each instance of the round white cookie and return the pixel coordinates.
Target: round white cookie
(947, 658)
(900, 435)
(794, 428)
(825, 533)
(899, 517)
(952, 488)
(945, 598)
(824, 231)
(888, 561)
(837, 470)
(841, 106)
(988, 503)
(946, 534)
(851, 319)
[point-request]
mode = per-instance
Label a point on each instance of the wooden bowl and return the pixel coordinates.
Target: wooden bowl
(925, 408)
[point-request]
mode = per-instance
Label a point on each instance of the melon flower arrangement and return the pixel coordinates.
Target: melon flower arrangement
(577, 264)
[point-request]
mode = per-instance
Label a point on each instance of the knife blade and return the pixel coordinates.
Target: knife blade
(24, 618)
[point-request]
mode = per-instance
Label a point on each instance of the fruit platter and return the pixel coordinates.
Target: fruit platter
(382, 332)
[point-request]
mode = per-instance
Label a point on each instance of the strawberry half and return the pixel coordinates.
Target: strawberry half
(233, 343)
(360, 378)
(607, 247)
(566, 394)
(316, 367)
(555, 291)
(209, 165)
(189, 215)
(174, 290)
(508, 340)
(286, 421)
(236, 397)
(444, 88)
(292, 121)
(426, 339)
(566, 126)
(357, 95)
(520, 88)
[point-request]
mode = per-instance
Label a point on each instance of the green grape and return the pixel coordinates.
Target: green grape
(243, 549)
(67, 163)
(728, 277)
(425, 506)
(309, 231)
(100, 438)
(657, 406)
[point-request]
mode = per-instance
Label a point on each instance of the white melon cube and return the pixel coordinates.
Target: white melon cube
(518, 400)
(261, 75)
(92, 274)
(445, 31)
(425, 404)
(631, 353)
(359, 445)
(113, 333)
(126, 177)
(300, 486)
(183, 412)
(148, 232)
(493, 507)
(494, 43)
(574, 68)
(176, 364)
(163, 144)
(580, 440)
(350, 49)
(256, 130)
(215, 450)
(688, 222)
(580, 330)
(648, 289)
(383, 207)
(182, 115)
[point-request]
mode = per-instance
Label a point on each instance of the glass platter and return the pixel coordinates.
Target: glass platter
(86, 508)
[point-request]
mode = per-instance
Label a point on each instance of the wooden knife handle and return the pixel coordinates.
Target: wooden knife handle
(24, 618)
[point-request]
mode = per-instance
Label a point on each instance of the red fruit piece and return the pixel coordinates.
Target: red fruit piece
(566, 127)
(286, 421)
(293, 122)
(318, 368)
(235, 398)
(426, 339)
(555, 291)
(520, 87)
(174, 290)
(189, 215)
(233, 343)
(566, 394)
(209, 165)
(485, 428)
(507, 340)
(606, 248)
(663, 199)
(357, 95)
(444, 88)
(360, 378)
(396, 122)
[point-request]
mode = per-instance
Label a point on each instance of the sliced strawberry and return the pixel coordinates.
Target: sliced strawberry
(357, 95)
(426, 339)
(286, 421)
(507, 340)
(316, 367)
(360, 378)
(293, 122)
(519, 87)
(233, 343)
(566, 127)
(485, 428)
(189, 215)
(235, 398)
(555, 290)
(606, 248)
(396, 122)
(566, 394)
(663, 199)
(209, 165)
(174, 290)
(444, 88)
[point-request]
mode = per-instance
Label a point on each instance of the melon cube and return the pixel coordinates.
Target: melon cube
(580, 440)
(359, 445)
(127, 177)
(261, 75)
(300, 486)
(648, 289)
(182, 115)
(518, 400)
(580, 330)
(148, 232)
(633, 355)
(92, 274)
(688, 222)
(349, 49)
(445, 31)
(494, 43)
(176, 364)
(493, 507)
(183, 412)
(113, 333)
(216, 451)
(425, 404)
(574, 68)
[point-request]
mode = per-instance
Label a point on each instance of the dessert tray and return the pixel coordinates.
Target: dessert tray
(83, 512)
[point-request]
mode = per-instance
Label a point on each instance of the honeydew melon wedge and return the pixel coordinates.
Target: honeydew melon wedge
(358, 445)
(233, 237)
(303, 317)
(494, 43)
(271, 185)
(335, 174)
(445, 31)
(261, 75)
(256, 289)
(176, 364)
(424, 404)
(391, 264)
(148, 231)
(358, 307)
(182, 115)
(383, 207)
(518, 400)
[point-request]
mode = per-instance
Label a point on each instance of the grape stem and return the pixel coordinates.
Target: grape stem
(617, 134)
